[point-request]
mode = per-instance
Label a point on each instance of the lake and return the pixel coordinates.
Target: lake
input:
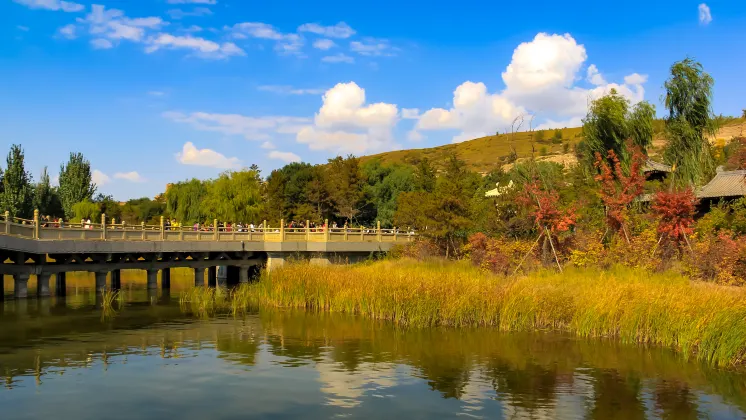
(59, 358)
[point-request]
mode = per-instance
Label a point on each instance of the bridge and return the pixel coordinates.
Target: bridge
(41, 248)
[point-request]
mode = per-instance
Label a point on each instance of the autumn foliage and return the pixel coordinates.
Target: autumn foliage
(675, 211)
(617, 189)
(543, 207)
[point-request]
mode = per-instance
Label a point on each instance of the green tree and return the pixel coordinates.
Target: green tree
(344, 183)
(45, 197)
(18, 194)
(76, 183)
(184, 201)
(144, 209)
(108, 206)
(557, 135)
(233, 197)
(690, 120)
(424, 176)
(611, 121)
(87, 209)
(539, 136)
(385, 183)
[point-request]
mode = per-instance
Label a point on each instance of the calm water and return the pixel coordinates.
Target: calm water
(60, 359)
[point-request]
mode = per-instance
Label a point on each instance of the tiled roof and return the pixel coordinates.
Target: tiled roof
(651, 165)
(725, 184)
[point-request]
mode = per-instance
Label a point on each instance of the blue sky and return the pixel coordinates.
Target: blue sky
(155, 91)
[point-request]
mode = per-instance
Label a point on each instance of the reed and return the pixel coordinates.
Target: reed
(108, 298)
(634, 306)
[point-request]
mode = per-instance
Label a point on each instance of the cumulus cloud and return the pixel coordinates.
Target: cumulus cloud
(267, 145)
(410, 113)
(285, 43)
(346, 124)
(54, 5)
(289, 90)
(705, 17)
(129, 176)
(67, 31)
(99, 178)
(338, 58)
(541, 79)
(190, 155)
(286, 157)
(324, 44)
(251, 128)
(340, 30)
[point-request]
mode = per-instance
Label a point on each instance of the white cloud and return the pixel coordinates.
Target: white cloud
(129, 176)
(203, 47)
(410, 113)
(705, 17)
(190, 155)
(193, 28)
(99, 178)
(156, 93)
(251, 128)
(286, 157)
(594, 77)
(267, 145)
(22, 28)
(68, 31)
(101, 44)
(340, 30)
(338, 58)
(55, 5)
(289, 90)
(285, 43)
(181, 14)
(114, 26)
(550, 124)
(414, 135)
(373, 47)
(346, 124)
(192, 1)
(540, 79)
(324, 44)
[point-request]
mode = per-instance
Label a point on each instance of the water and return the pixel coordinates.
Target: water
(60, 359)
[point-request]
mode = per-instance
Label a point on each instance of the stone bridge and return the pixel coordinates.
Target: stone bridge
(36, 247)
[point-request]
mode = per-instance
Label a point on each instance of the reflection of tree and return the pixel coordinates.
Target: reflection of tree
(238, 348)
(449, 375)
(617, 396)
(674, 400)
(529, 388)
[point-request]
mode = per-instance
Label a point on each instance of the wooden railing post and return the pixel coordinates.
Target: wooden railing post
(163, 229)
(216, 230)
(103, 226)
(7, 222)
(264, 230)
(181, 231)
(327, 234)
(308, 230)
(345, 228)
(282, 230)
(142, 229)
(362, 233)
(36, 224)
(378, 230)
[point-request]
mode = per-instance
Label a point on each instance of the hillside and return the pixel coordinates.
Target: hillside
(485, 154)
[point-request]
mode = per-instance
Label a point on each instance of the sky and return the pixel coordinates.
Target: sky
(159, 91)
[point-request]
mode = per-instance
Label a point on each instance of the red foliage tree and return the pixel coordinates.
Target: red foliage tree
(618, 190)
(544, 208)
(675, 211)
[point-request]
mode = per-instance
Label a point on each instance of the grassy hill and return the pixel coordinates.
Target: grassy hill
(485, 154)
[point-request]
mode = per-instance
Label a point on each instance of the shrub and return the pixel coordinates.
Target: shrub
(719, 258)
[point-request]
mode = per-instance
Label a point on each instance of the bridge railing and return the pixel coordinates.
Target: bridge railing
(55, 230)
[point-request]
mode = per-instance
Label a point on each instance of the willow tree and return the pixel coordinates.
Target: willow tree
(17, 191)
(76, 183)
(690, 121)
(612, 121)
(235, 196)
(184, 201)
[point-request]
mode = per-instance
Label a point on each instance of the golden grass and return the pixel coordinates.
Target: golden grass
(629, 305)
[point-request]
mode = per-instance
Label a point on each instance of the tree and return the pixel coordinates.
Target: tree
(557, 135)
(184, 201)
(45, 197)
(86, 209)
(611, 122)
(108, 206)
(233, 197)
(618, 189)
(424, 176)
(17, 196)
(384, 184)
(675, 211)
(690, 120)
(539, 136)
(76, 183)
(344, 183)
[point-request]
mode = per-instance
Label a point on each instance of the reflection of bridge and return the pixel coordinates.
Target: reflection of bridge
(42, 248)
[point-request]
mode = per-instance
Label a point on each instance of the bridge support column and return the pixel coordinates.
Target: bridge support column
(320, 259)
(20, 286)
(60, 284)
(243, 275)
(166, 278)
(222, 276)
(101, 281)
(212, 276)
(199, 277)
(275, 260)
(116, 279)
(42, 284)
(152, 279)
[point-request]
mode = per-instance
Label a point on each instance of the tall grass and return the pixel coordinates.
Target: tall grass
(633, 306)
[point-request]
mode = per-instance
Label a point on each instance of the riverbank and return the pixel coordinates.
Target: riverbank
(634, 306)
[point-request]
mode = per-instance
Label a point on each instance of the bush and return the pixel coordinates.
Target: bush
(719, 258)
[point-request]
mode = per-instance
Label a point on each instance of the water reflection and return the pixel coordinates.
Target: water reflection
(58, 358)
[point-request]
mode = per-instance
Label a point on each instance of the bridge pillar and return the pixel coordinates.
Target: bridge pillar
(116, 279)
(60, 284)
(222, 275)
(199, 277)
(320, 259)
(42, 284)
(152, 279)
(275, 260)
(101, 280)
(212, 276)
(20, 285)
(166, 278)
(243, 274)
